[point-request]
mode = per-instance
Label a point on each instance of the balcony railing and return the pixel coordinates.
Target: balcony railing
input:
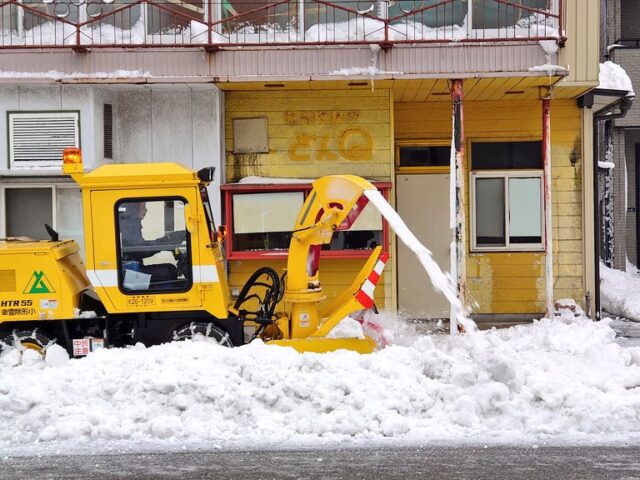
(225, 23)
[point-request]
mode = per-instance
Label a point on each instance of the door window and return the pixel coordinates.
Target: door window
(154, 245)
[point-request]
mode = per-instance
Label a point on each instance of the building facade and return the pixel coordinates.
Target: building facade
(620, 139)
(277, 94)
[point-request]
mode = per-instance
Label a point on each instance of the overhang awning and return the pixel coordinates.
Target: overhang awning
(602, 100)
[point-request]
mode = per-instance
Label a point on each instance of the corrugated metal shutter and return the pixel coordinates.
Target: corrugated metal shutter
(38, 138)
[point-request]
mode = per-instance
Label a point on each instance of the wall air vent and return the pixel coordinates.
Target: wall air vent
(107, 117)
(37, 139)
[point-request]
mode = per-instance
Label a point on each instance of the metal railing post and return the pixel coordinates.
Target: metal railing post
(209, 21)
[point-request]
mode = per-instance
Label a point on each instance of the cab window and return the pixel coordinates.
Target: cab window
(154, 246)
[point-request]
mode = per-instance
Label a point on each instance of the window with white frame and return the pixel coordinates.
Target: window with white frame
(507, 196)
(37, 139)
(27, 207)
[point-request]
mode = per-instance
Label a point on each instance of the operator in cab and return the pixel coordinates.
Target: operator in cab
(154, 264)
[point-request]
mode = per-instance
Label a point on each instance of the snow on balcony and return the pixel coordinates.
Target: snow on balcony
(91, 23)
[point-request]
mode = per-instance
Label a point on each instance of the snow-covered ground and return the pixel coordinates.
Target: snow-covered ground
(620, 291)
(564, 380)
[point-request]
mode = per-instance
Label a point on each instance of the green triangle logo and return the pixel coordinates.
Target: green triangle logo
(39, 283)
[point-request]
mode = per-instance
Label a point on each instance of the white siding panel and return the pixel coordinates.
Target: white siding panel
(285, 63)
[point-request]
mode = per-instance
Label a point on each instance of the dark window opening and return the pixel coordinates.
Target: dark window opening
(424, 156)
(506, 155)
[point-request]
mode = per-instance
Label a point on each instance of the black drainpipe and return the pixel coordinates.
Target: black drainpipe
(624, 104)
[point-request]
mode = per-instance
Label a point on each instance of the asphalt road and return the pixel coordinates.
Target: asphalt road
(492, 462)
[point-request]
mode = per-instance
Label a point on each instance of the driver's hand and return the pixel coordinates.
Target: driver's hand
(176, 237)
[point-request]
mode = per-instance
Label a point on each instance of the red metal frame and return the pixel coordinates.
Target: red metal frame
(87, 32)
(229, 190)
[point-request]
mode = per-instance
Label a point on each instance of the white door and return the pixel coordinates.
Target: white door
(423, 203)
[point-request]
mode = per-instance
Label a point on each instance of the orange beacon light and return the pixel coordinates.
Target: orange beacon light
(72, 160)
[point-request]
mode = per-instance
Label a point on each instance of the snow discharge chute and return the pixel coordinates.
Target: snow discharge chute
(334, 204)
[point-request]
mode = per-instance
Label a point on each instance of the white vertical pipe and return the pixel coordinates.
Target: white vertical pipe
(456, 192)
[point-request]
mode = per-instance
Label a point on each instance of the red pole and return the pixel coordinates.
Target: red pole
(548, 240)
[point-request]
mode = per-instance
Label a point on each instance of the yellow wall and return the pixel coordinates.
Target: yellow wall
(581, 53)
(498, 282)
(514, 282)
(314, 133)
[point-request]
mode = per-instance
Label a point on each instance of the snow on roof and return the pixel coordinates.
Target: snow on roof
(370, 70)
(56, 75)
(607, 165)
(253, 180)
(548, 68)
(614, 77)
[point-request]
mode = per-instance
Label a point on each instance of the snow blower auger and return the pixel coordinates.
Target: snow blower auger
(333, 205)
(155, 268)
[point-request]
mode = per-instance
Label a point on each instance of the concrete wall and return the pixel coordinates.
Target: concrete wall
(629, 59)
(174, 123)
(619, 201)
(629, 19)
(632, 138)
(51, 97)
(622, 23)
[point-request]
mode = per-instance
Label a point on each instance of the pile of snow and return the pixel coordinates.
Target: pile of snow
(552, 380)
(614, 77)
(620, 291)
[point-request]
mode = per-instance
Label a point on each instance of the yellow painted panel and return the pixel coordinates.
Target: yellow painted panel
(567, 197)
(569, 283)
(570, 246)
(568, 234)
(511, 294)
(313, 93)
(569, 221)
(566, 184)
(317, 134)
(565, 258)
(516, 307)
(566, 210)
(504, 282)
(581, 51)
(509, 258)
(523, 272)
(367, 170)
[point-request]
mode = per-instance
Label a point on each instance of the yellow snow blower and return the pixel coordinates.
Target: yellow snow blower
(155, 269)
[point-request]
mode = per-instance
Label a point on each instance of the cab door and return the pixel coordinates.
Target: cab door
(142, 254)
